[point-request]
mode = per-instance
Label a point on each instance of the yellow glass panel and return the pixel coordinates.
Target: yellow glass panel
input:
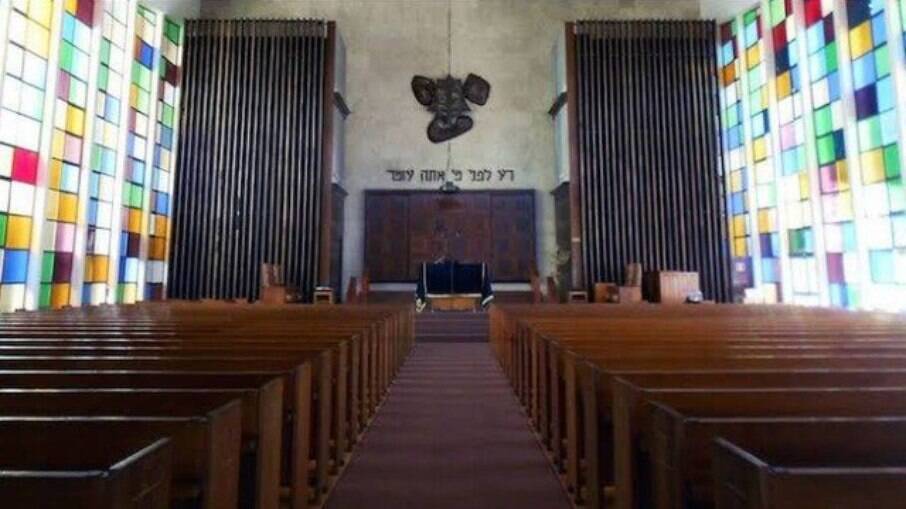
(160, 226)
(804, 188)
(55, 174)
(784, 85)
(75, 120)
(41, 11)
(135, 220)
(739, 225)
(58, 145)
(158, 246)
(99, 267)
(52, 205)
(736, 181)
(760, 148)
(766, 220)
(18, 232)
(129, 293)
(37, 39)
(753, 56)
(860, 40)
(842, 175)
(71, 6)
(133, 96)
(739, 248)
(69, 204)
(59, 296)
(873, 166)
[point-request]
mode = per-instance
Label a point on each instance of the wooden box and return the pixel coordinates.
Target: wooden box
(606, 293)
(669, 287)
(629, 294)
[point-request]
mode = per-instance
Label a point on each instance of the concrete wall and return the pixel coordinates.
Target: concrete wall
(177, 8)
(508, 42)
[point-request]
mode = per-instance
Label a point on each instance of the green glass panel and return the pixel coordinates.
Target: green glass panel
(882, 61)
(870, 134)
(44, 297)
(892, 161)
(103, 78)
(732, 116)
(830, 52)
(120, 292)
(778, 12)
(167, 115)
(136, 199)
(3, 220)
(127, 191)
(97, 155)
(173, 32)
(105, 51)
(853, 297)
(47, 267)
(755, 102)
(824, 121)
(67, 55)
(750, 16)
(827, 151)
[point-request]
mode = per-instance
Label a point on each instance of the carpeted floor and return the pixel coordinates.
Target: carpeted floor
(449, 435)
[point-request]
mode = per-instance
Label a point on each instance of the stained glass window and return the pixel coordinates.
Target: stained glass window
(884, 197)
(64, 172)
(105, 154)
(83, 120)
(828, 115)
(735, 153)
(136, 174)
(164, 154)
(21, 117)
(832, 189)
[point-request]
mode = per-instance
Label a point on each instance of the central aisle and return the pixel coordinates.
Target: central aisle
(449, 435)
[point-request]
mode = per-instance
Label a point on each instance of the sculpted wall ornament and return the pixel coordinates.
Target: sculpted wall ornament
(448, 98)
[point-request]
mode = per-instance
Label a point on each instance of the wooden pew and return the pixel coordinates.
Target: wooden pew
(42, 470)
(206, 446)
(681, 446)
(562, 363)
(632, 425)
(367, 346)
(262, 421)
(846, 474)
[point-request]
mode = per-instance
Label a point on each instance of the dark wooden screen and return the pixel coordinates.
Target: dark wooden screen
(249, 185)
(649, 151)
(406, 228)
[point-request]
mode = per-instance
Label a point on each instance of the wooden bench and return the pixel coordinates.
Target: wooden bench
(40, 468)
(808, 473)
(562, 362)
(333, 366)
(206, 446)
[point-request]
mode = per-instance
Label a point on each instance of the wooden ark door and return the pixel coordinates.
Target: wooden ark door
(494, 227)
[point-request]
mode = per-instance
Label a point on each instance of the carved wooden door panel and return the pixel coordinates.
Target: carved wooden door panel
(386, 236)
(513, 230)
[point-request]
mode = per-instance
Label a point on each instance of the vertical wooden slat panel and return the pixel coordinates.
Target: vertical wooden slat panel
(647, 150)
(250, 179)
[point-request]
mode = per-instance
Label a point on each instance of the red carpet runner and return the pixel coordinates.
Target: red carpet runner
(450, 435)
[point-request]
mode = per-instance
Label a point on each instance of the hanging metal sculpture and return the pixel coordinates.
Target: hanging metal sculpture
(448, 98)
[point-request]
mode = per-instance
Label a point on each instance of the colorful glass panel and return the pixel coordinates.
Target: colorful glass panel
(883, 195)
(136, 173)
(735, 154)
(765, 181)
(105, 154)
(836, 201)
(164, 154)
(21, 117)
(64, 172)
